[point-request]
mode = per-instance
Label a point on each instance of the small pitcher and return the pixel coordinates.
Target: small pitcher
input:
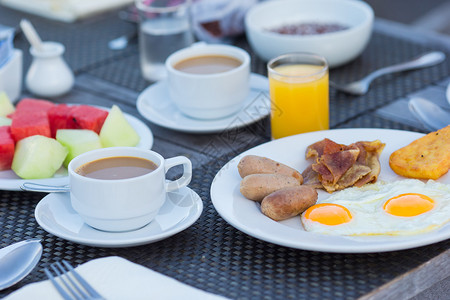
(49, 75)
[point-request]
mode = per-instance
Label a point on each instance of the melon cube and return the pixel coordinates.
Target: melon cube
(88, 117)
(59, 117)
(117, 131)
(6, 107)
(6, 148)
(31, 123)
(77, 141)
(38, 157)
(5, 121)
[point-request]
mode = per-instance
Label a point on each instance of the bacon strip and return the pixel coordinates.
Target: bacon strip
(338, 166)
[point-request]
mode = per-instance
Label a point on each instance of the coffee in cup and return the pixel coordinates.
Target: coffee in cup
(122, 188)
(116, 167)
(209, 81)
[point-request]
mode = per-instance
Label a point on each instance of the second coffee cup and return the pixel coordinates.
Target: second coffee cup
(209, 81)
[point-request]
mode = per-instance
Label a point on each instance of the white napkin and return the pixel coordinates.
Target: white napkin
(65, 10)
(117, 278)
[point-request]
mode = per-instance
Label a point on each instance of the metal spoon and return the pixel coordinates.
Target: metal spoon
(431, 116)
(361, 87)
(44, 188)
(18, 260)
(31, 34)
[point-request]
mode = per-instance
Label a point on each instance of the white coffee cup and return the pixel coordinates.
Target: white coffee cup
(123, 204)
(209, 96)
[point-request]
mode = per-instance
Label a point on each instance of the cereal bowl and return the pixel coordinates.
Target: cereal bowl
(338, 47)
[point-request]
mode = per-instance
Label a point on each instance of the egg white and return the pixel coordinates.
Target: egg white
(368, 217)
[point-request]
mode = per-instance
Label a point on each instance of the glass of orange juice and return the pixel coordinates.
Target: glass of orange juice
(299, 94)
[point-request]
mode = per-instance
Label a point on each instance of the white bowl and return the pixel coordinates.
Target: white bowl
(337, 47)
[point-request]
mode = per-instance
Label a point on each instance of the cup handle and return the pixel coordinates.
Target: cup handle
(187, 172)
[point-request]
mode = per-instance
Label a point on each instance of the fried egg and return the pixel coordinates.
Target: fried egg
(397, 208)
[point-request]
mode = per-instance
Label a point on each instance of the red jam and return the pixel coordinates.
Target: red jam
(309, 28)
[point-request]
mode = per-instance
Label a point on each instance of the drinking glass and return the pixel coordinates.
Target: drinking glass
(164, 27)
(298, 84)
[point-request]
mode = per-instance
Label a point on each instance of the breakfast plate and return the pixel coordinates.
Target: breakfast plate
(246, 216)
(55, 214)
(10, 181)
(155, 104)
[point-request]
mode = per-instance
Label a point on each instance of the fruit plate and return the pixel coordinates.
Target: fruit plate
(246, 216)
(10, 181)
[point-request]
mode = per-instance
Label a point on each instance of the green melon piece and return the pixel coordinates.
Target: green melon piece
(6, 107)
(77, 141)
(4, 121)
(116, 131)
(37, 157)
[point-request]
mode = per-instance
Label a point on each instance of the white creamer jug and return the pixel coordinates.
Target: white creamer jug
(49, 75)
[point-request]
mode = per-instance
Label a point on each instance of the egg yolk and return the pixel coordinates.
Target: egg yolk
(408, 205)
(328, 214)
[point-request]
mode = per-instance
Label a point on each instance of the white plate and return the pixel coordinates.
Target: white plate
(10, 181)
(246, 216)
(55, 214)
(155, 105)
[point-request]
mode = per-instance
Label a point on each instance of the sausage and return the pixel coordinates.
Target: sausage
(253, 164)
(256, 186)
(288, 202)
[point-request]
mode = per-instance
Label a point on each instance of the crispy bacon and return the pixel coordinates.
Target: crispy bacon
(338, 166)
(370, 158)
(311, 178)
(324, 146)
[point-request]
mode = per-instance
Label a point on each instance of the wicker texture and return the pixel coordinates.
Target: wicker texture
(211, 254)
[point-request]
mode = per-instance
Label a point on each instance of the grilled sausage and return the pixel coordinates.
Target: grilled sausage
(288, 202)
(253, 164)
(256, 186)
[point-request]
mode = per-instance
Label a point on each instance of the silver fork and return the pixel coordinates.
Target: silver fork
(71, 285)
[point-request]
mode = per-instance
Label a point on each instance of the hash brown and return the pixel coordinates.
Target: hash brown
(427, 157)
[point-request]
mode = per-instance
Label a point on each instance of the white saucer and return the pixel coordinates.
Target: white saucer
(55, 215)
(155, 105)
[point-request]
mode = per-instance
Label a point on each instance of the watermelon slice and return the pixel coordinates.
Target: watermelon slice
(28, 104)
(60, 117)
(89, 117)
(6, 148)
(27, 124)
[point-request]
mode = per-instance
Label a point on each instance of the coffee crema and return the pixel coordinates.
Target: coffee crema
(116, 167)
(207, 64)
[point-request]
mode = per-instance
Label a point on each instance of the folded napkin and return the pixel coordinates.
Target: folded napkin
(117, 278)
(65, 10)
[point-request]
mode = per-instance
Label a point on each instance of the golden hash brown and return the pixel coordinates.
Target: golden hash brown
(425, 158)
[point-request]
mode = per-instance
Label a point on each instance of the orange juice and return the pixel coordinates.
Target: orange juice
(299, 95)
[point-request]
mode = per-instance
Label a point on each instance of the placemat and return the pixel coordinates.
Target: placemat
(213, 256)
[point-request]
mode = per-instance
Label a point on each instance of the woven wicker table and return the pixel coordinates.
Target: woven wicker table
(211, 254)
